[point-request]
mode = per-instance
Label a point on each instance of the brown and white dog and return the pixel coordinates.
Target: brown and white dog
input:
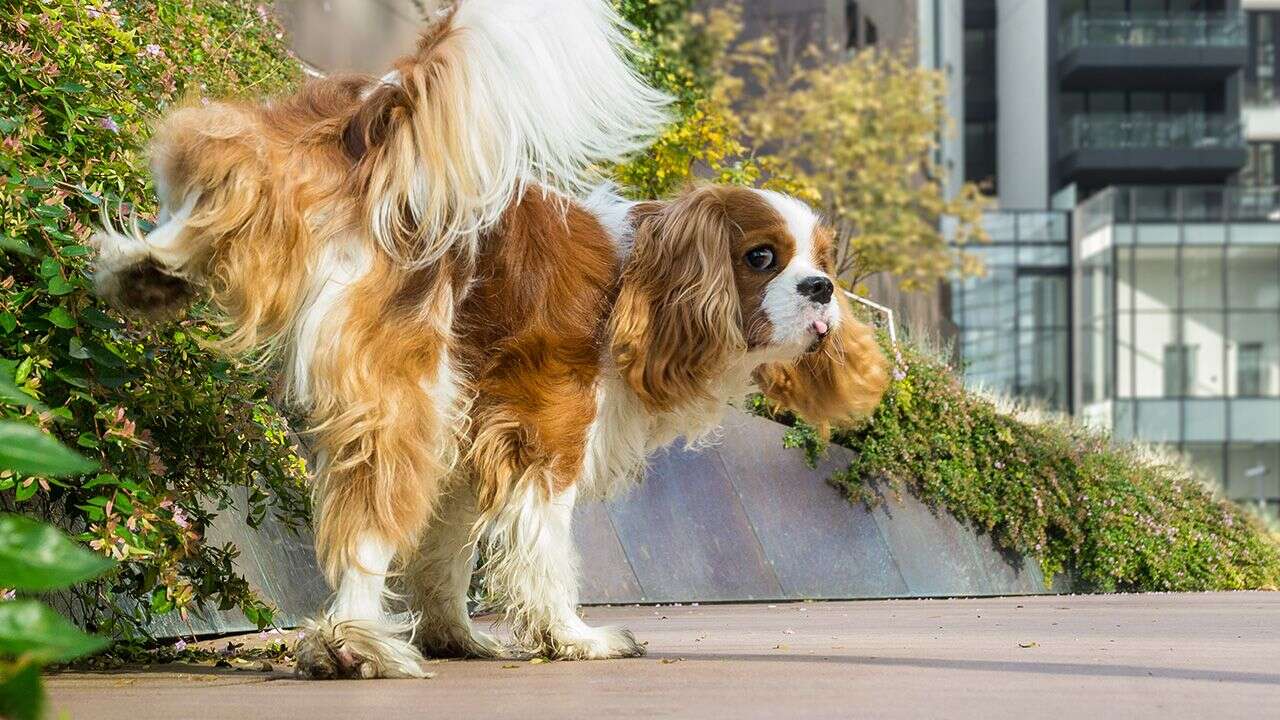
(475, 338)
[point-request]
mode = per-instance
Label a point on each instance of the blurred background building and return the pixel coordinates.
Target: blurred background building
(1132, 149)
(1135, 270)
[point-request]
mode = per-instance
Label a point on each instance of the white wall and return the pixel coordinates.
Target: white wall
(940, 26)
(1262, 122)
(1022, 84)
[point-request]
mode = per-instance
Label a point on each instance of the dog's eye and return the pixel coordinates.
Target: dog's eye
(760, 258)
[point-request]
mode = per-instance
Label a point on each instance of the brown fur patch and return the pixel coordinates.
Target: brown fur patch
(841, 382)
(533, 326)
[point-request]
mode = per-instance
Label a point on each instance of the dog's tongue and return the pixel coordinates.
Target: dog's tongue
(820, 327)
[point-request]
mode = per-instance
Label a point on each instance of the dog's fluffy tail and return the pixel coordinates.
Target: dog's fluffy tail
(500, 95)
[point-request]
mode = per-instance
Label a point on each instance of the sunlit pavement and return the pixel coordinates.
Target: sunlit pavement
(1117, 656)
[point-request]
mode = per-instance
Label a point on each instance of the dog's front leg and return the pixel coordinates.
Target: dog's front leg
(532, 572)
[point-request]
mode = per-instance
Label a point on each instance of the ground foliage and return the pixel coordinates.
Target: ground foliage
(1112, 517)
(178, 432)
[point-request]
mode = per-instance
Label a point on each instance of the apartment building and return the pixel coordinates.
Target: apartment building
(1135, 270)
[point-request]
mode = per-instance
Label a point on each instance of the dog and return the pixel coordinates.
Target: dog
(478, 330)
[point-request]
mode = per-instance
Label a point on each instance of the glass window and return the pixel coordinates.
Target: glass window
(1253, 472)
(1205, 419)
(989, 359)
(1159, 420)
(1042, 366)
(1208, 458)
(1202, 278)
(1202, 337)
(989, 301)
(1155, 278)
(1249, 370)
(1255, 339)
(1181, 103)
(1042, 301)
(1253, 277)
(1255, 420)
(851, 25)
(1155, 353)
(1179, 367)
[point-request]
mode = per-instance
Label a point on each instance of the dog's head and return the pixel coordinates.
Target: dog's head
(727, 276)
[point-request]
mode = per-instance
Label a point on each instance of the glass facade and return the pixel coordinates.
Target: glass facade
(1151, 27)
(1015, 319)
(1179, 326)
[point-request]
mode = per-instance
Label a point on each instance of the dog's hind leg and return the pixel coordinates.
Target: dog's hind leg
(356, 638)
(532, 572)
(437, 577)
(385, 456)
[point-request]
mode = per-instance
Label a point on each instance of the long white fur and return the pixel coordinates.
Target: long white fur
(341, 265)
(550, 97)
(532, 573)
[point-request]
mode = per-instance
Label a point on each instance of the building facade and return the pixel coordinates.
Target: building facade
(1149, 131)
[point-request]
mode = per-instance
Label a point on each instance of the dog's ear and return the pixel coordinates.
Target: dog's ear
(677, 320)
(840, 382)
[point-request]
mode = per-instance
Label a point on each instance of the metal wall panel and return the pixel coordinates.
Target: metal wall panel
(743, 520)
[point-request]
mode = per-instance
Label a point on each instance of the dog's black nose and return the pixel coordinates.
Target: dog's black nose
(817, 288)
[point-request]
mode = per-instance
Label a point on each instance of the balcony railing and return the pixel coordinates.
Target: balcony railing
(1186, 203)
(1131, 131)
(1214, 29)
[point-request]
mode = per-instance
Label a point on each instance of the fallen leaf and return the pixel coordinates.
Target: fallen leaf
(1028, 644)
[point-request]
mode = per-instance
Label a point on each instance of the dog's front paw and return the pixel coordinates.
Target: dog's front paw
(596, 643)
(354, 649)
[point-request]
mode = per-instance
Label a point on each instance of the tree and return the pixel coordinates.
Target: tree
(857, 134)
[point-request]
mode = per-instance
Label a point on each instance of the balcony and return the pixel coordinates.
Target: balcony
(1164, 51)
(1137, 148)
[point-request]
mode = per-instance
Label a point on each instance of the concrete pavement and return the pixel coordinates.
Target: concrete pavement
(1118, 656)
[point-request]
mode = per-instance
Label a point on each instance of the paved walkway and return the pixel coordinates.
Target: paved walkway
(1159, 656)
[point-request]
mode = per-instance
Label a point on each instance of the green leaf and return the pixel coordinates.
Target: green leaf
(13, 395)
(8, 322)
(17, 245)
(75, 349)
(58, 285)
(37, 557)
(21, 695)
(31, 452)
(28, 628)
(59, 316)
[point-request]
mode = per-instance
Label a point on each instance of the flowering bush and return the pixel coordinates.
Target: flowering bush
(1111, 517)
(177, 432)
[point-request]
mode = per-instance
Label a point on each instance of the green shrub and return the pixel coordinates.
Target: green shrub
(177, 432)
(1114, 518)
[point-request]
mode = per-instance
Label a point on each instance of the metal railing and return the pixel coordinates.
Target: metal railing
(1172, 204)
(1211, 29)
(1118, 131)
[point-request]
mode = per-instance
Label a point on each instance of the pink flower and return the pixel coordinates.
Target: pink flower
(180, 517)
(108, 123)
(9, 595)
(152, 50)
(180, 645)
